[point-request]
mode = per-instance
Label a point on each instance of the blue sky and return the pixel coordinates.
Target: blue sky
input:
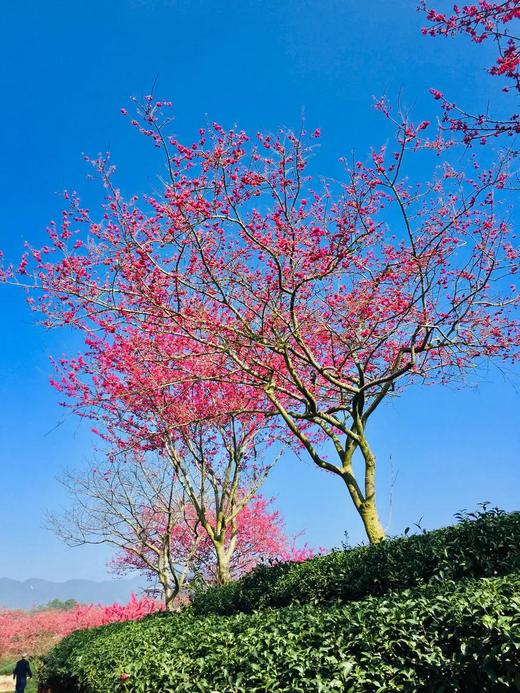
(67, 69)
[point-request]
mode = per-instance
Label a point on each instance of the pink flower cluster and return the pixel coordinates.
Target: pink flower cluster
(261, 537)
(481, 21)
(37, 631)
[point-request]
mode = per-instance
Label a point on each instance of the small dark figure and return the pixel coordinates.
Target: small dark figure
(21, 672)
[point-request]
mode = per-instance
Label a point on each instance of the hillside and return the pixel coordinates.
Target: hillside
(437, 611)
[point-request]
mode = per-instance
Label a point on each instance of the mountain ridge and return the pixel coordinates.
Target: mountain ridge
(27, 594)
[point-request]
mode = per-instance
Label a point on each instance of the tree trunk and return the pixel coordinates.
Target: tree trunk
(223, 558)
(365, 503)
(169, 593)
(367, 508)
(372, 523)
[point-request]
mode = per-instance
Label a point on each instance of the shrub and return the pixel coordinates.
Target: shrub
(448, 636)
(484, 544)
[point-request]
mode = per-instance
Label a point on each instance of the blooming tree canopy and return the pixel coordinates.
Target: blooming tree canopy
(260, 538)
(242, 297)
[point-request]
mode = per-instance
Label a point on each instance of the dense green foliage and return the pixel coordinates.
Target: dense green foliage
(58, 605)
(448, 636)
(438, 611)
(483, 544)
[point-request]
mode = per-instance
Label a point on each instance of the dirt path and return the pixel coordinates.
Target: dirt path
(6, 684)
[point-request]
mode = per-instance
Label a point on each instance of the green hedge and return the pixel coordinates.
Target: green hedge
(485, 544)
(450, 636)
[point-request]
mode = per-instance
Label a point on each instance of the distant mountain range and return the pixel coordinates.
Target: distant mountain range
(35, 592)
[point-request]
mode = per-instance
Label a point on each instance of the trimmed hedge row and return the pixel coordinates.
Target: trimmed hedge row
(450, 636)
(485, 544)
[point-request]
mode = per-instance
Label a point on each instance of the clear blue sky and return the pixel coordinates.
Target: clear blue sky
(67, 68)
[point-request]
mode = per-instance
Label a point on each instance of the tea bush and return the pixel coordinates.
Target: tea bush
(484, 544)
(447, 636)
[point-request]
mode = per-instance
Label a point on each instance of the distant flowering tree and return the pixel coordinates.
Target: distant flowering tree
(37, 631)
(482, 21)
(208, 439)
(136, 505)
(241, 300)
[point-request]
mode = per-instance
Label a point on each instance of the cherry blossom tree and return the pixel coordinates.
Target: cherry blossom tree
(136, 505)
(242, 294)
(261, 538)
(141, 389)
(481, 21)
